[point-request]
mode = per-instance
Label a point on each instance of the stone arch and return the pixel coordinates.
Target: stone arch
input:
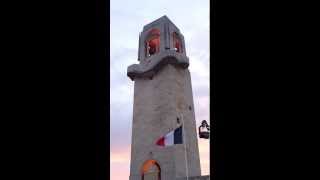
(150, 170)
(177, 42)
(152, 43)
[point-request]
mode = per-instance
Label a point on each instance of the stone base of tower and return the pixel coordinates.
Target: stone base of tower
(135, 177)
(195, 178)
(138, 177)
(164, 176)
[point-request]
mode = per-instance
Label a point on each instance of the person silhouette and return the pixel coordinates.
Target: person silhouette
(204, 130)
(152, 50)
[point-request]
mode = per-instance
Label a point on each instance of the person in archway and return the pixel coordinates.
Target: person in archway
(152, 49)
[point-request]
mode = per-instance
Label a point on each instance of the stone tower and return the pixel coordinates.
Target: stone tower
(162, 102)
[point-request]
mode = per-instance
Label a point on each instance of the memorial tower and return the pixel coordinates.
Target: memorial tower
(163, 101)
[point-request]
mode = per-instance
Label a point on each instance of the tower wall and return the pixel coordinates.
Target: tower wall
(157, 105)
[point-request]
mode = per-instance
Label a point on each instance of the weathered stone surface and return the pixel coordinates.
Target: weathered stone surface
(155, 63)
(162, 104)
(195, 178)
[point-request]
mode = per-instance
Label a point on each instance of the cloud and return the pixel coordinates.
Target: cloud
(204, 151)
(119, 162)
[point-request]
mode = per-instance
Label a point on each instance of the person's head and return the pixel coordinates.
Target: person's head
(204, 122)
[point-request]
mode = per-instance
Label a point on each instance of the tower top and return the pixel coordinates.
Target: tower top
(160, 43)
(162, 20)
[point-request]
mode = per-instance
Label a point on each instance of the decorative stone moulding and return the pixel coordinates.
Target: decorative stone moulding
(155, 63)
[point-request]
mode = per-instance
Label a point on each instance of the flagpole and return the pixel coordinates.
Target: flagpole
(185, 147)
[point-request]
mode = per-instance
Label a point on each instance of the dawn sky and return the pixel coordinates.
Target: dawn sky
(127, 18)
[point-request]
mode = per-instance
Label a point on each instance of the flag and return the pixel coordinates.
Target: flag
(173, 137)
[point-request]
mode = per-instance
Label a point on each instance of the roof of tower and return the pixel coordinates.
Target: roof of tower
(163, 19)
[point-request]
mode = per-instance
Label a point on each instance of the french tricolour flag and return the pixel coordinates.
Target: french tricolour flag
(173, 137)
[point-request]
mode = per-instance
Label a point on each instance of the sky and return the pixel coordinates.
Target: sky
(127, 18)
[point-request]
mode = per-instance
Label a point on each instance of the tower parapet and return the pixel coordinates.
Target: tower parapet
(160, 43)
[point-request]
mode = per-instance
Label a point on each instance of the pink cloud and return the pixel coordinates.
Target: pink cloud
(204, 151)
(120, 163)
(119, 171)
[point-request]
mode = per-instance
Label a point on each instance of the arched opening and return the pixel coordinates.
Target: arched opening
(177, 42)
(153, 42)
(151, 170)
